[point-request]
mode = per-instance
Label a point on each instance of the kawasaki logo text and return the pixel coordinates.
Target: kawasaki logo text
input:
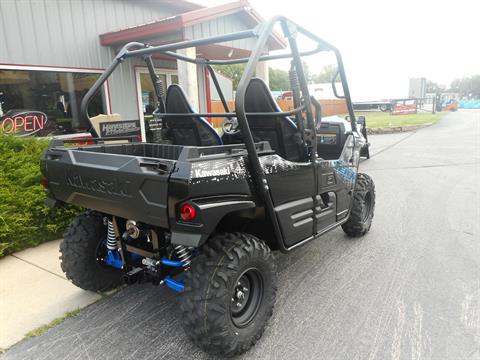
(112, 187)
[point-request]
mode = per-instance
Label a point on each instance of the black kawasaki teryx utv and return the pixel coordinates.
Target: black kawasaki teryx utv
(201, 213)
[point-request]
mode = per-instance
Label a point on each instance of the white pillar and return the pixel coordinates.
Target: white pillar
(187, 76)
(202, 88)
(262, 71)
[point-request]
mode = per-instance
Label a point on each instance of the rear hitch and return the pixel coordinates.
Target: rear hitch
(139, 264)
(133, 276)
(152, 273)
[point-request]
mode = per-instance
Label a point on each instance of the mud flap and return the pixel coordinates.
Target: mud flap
(187, 239)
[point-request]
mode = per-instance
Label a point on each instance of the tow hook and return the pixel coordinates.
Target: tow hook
(133, 276)
(152, 272)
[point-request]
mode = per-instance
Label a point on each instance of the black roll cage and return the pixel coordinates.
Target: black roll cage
(262, 33)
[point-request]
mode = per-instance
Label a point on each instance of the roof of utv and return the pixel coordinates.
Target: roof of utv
(279, 123)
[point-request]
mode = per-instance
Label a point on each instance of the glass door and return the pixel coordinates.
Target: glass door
(146, 93)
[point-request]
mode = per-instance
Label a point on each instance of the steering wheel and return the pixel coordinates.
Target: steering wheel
(230, 126)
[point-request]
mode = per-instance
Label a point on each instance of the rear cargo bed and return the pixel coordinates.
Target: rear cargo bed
(126, 180)
(159, 151)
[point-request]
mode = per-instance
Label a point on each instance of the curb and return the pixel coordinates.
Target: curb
(396, 129)
(45, 295)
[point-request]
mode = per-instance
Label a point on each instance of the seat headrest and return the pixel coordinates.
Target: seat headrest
(258, 97)
(188, 130)
(177, 101)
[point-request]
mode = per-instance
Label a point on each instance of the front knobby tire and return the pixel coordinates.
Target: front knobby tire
(361, 215)
(229, 294)
(79, 250)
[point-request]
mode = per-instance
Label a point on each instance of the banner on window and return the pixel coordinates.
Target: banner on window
(120, 128)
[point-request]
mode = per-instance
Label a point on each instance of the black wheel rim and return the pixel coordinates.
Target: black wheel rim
(246, 297)
(367, 207)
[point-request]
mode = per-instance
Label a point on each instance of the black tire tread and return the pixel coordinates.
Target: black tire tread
(355, 226)
(78, 258)
(207, 283)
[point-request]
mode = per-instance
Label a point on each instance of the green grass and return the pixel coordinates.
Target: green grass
(44, 328)
(385, 120)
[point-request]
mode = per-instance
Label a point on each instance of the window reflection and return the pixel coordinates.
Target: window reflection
(56, 94)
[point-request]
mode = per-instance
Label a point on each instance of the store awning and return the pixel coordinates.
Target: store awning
(199, 23)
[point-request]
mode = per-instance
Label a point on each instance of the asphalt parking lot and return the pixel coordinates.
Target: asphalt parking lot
(410, 289)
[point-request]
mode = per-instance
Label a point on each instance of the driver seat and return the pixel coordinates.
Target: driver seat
(187, 130)
(280, 131)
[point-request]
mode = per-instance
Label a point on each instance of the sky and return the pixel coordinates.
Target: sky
(384, 43)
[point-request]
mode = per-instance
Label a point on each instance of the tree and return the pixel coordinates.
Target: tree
(279, 79)
(325, 76)
(232, 71)
(433, 87)
(468, 86)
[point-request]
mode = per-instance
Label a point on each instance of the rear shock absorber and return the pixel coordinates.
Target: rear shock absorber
(111, 238)
(184, 254)
(295, 85)
(297, 101)
(113, 257)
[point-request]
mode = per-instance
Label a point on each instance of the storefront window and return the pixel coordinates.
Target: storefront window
(45, 103)
(148, 93)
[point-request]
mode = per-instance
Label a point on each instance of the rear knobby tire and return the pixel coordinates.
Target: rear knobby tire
(361, 215)
(79, 249)
(212, 316)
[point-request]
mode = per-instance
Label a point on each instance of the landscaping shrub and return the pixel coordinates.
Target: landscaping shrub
(24, 220)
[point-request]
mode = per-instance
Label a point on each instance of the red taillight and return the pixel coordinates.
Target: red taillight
(187, 212)
(44, 183)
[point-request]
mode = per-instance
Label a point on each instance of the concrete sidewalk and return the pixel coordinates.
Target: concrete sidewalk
(34, 291)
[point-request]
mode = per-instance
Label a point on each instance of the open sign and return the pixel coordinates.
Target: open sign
(22, 122)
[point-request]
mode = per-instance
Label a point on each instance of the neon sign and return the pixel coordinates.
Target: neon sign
(22, 122)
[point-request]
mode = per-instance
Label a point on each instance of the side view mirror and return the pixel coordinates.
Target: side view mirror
(365, 151)
(318, 111)
(361, 120)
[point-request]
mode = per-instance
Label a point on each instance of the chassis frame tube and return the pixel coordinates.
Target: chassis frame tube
(218, 88)
(232, 114)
